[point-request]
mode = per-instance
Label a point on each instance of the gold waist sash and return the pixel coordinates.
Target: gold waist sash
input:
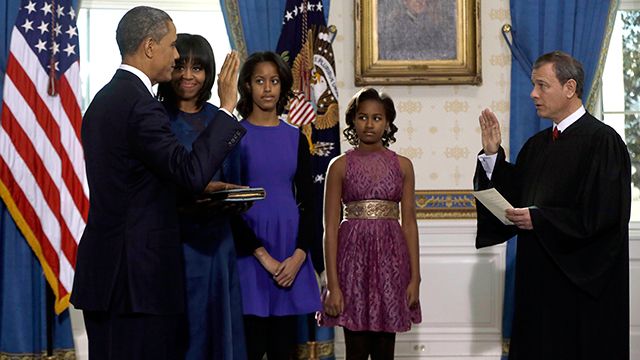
(372, 209)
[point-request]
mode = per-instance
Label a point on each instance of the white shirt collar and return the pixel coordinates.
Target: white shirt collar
(137, 72)
(566, 122)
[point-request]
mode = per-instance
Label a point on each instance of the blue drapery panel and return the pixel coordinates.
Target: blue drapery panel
(580, 28)
(255, 25)
(22, 300)
(22, 284)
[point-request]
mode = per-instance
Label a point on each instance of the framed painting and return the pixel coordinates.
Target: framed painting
(410, 42)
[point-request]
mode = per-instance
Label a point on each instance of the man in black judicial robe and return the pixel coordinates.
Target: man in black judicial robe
(572, 195)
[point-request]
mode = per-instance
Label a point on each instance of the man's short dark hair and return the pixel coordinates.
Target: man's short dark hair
(565, 66)
(140, 23)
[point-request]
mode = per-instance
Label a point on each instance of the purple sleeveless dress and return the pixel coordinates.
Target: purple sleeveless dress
(373, 259)
(268, 159)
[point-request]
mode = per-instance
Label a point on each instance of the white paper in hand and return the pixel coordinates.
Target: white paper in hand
(495, 202)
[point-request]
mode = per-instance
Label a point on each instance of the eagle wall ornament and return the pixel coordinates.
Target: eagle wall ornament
(315, 82)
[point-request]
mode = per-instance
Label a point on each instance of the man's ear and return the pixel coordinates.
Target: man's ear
(148, 46)
(570, 88)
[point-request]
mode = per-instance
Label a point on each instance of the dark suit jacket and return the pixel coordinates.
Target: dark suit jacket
(129, 258)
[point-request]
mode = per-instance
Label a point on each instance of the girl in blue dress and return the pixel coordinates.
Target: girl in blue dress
(213, 299)
(276, 275)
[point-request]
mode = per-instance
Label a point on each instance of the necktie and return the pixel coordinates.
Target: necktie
(556, 134)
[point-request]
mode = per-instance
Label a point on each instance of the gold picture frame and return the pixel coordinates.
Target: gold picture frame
(410, 42)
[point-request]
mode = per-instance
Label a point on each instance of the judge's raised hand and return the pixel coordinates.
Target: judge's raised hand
(228, 82)
(491, 137)
(520, 217)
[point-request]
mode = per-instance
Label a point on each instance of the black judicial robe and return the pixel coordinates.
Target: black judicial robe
(572, 269)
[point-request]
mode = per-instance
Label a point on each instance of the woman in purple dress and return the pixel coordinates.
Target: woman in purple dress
(373, 275)
(276, 276)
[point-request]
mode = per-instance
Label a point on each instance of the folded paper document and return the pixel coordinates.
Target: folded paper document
(495, 202)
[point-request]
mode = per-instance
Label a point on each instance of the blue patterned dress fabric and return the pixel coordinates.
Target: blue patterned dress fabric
(213, 297)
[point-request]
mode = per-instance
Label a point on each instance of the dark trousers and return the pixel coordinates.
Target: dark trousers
(114, 336)
(361, 344)
(275, 336)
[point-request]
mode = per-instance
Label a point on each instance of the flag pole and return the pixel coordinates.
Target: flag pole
(49, 314)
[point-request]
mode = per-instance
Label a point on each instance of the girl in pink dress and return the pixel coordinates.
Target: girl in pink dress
(373, 275)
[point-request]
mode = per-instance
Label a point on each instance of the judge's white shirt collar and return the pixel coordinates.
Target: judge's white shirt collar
(566, 122)
(137, 72)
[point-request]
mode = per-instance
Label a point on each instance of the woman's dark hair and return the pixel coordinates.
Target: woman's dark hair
(389, 110)
(197, 49)
(245, 104)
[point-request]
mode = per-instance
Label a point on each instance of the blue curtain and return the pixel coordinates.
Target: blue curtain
(578, 27)
(255, 25)
(23, 310)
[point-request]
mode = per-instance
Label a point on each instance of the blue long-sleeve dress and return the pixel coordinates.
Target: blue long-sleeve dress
(213, 297)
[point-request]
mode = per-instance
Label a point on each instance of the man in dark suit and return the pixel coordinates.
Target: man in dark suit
(129, 276)
(571, 186)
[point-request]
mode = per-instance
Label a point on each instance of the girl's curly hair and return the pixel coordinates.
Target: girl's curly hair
(352, 108)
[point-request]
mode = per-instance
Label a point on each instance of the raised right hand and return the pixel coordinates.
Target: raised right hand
(228, 82)
(491, 137)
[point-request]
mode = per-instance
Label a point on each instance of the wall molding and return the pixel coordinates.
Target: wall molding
(445, 204)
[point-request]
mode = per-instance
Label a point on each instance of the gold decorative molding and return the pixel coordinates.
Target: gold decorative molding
(370, 68)
(445, 204)
(59, 354)
(315, 350)
(235, 29)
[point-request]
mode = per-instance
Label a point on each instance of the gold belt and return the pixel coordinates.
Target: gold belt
(372, 209)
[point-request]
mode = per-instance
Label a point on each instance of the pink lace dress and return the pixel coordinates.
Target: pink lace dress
(373, 260)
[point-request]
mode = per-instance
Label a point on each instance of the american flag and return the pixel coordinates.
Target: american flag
(301, 111)
(42, 172)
